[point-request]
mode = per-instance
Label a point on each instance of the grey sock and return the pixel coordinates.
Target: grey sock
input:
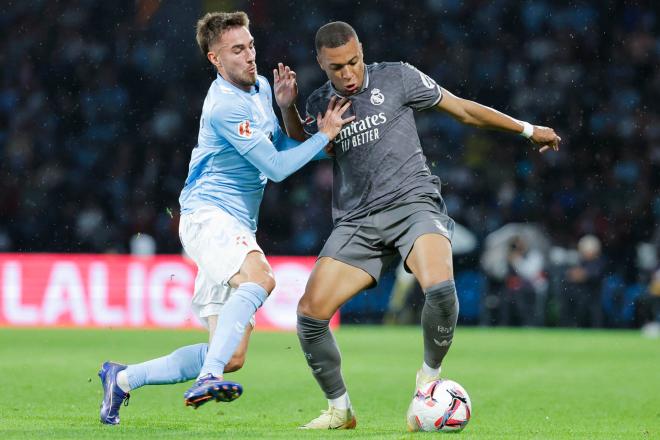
(322, 354)
(439, 316)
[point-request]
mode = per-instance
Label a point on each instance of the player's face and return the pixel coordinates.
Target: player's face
(344, 66)
(234, 56)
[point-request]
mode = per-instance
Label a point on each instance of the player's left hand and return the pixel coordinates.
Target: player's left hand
(285, 86)
(546, 138)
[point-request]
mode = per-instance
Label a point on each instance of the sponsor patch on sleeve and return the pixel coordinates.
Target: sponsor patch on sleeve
(244, 129)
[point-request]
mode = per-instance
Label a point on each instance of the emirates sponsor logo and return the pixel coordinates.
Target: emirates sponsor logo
(360, 132)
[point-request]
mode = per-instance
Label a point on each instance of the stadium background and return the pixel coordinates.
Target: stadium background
(99, 107)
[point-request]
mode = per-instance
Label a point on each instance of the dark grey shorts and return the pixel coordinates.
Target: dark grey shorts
(372, 242)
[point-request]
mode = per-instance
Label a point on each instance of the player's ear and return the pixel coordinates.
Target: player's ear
(318, 60)
(213, 58)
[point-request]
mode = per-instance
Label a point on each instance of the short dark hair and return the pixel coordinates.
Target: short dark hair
(214, 24)
(334, 34)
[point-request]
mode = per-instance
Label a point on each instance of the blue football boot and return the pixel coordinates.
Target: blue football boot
(210, 387)
(113, 396)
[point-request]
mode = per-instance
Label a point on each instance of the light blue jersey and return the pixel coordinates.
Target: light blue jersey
(240, 146)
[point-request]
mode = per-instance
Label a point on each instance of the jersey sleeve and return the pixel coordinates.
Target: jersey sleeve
(420, 90)
(277, 165)
(234, 122)
(279, 137)
(283, 142)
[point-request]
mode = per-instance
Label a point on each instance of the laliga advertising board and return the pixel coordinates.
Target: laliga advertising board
(64, 290)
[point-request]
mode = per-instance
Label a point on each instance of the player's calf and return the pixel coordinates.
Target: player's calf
(322, 354)
(235, 363)
(439, 317)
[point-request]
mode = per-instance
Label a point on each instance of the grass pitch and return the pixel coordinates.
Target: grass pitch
(524, 384)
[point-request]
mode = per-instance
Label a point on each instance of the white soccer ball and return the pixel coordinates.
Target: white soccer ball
(441, 405)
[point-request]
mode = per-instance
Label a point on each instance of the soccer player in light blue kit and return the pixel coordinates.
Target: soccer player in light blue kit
(240, 146)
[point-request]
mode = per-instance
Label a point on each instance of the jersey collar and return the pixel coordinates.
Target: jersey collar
(253, 90)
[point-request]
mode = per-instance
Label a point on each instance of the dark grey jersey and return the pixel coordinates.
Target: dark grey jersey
(378, 156)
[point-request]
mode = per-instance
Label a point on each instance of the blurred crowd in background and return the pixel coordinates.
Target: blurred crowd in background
(99, 108)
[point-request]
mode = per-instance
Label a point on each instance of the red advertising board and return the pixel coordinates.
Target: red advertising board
(73, 290)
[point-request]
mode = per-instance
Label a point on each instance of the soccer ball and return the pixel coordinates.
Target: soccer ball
(441, 405)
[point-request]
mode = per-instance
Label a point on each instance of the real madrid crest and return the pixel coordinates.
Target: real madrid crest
(377, 97)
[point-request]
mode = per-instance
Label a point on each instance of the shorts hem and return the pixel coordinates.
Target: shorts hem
(352, 263)
(404, 258)
(225, 281)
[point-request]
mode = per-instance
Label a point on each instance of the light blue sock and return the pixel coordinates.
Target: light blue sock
(179, 366)
(235, 316)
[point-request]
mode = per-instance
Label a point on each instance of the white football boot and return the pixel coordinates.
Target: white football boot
(333, 418)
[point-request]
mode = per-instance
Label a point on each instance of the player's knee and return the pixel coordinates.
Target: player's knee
(442, 296)
(314, 302)
(441, 274)
(267, 281)
(309, 307)
(303, 307)
(235, 363)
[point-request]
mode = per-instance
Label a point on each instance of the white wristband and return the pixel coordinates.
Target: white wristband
(528, 130)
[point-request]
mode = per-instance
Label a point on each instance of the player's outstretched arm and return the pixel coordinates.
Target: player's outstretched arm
(277, 165)
(477, 115)
(283, 142)
(285, 89)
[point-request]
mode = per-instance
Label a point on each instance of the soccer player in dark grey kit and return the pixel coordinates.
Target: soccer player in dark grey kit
(385, 200)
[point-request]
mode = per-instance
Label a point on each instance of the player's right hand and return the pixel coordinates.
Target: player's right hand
(331, 123)
(545, 138)
(285, 86)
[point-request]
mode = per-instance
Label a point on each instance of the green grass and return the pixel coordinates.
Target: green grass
(524, 384)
